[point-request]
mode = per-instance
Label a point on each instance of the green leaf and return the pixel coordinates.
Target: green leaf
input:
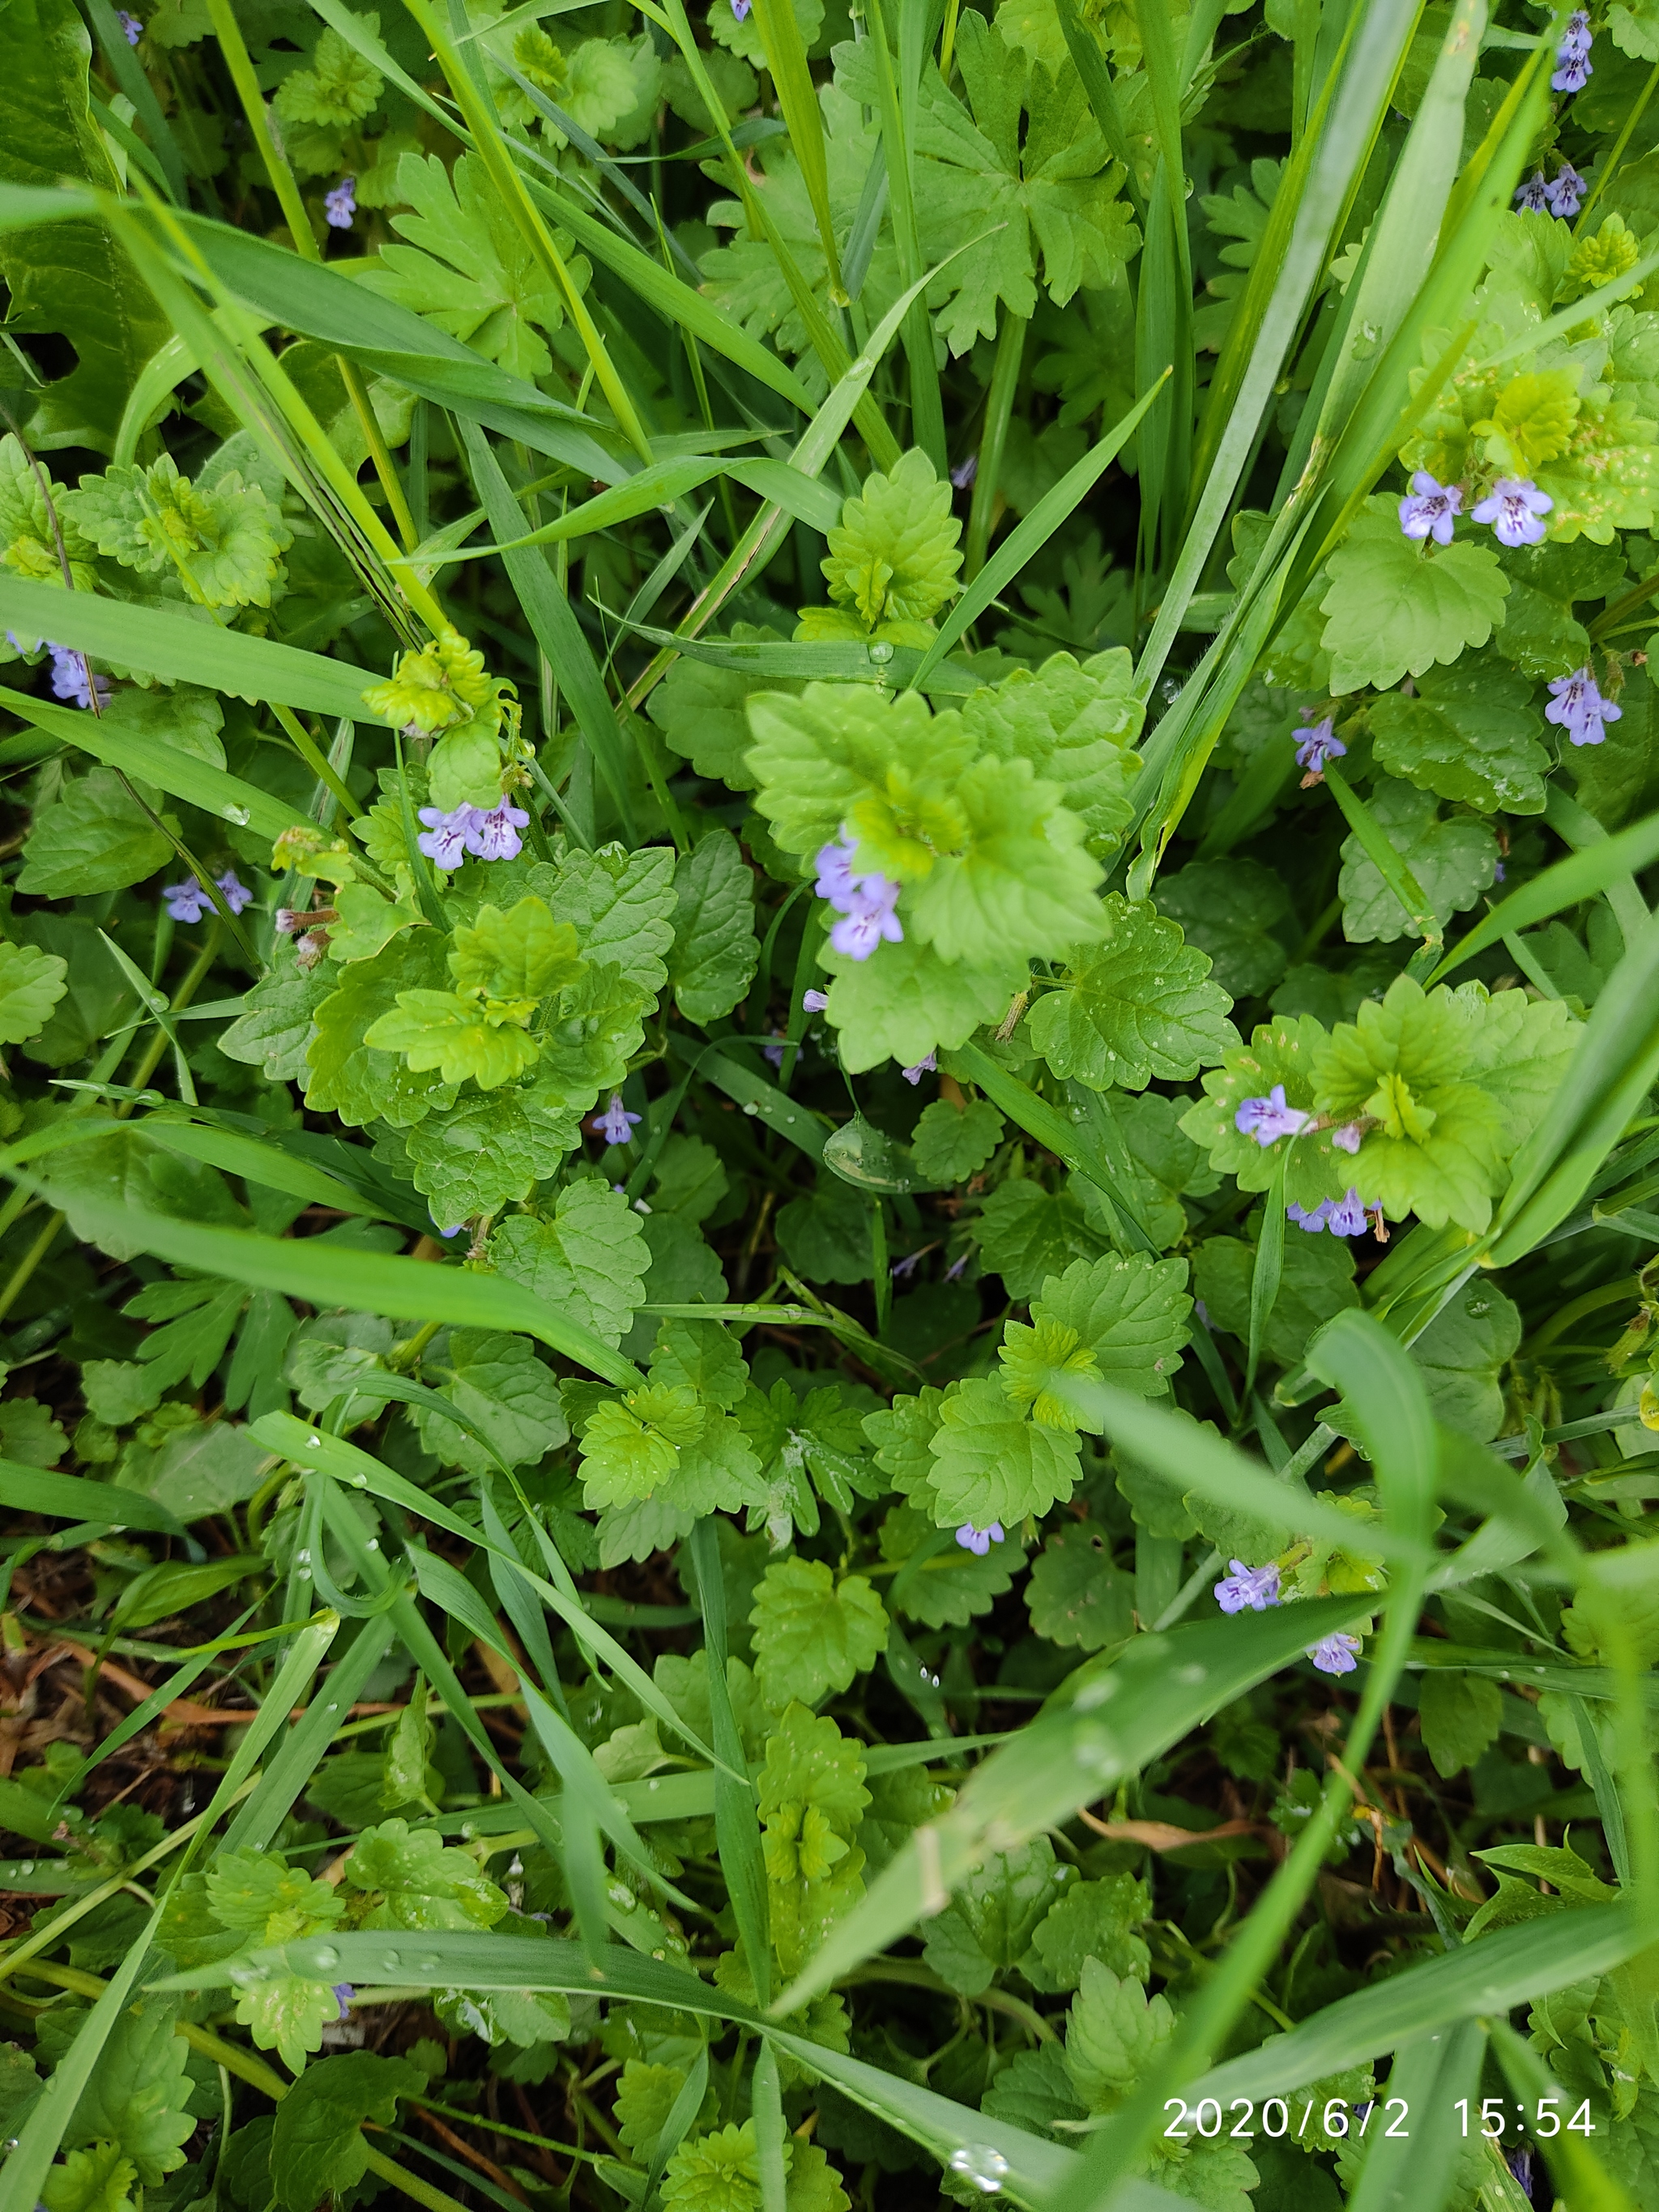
(96, 2180)
(701, 712)
(317, 2146)
(442, 1030)
(942, 1584)
(69, 277)
(1130, 1314)
(906, 1001)
(414, 1882)
(345, 1074)
(893, 557)
(1316, 1280)
(990, 1463)
(139, 2094)
(622, 905)
(716, 951)
(1460, 1715)
(1076, 1596)
(469, 268)
(31, 984)
(1469, 734)
(988, 1926)
(589, 1258)
(486, 1150)
(225, 538)
(812, 1633)
(1027, 1234)
(1091, 1920)
(95, 837)
(953, 1142)
(826, 1236)
(1454, 861)
(1463, 1352)
(1395, 607)
(1229, 910)
(1114, 2034)
(1137, 1008)
(507, 1392)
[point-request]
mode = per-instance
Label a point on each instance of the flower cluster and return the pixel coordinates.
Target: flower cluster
(1564, 197)
(189, 900)
(865, 904)
(341, 204)
(928, 1067)
(491, 835)
(1269, 1119)
(1257, 1588)
(1344, 1217)
(1512, 508)
(1572, 57)
(72, 676)
(1577, 707)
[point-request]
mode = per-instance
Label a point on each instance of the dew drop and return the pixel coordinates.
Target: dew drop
(238, 814)
(623, 1899)
(427, 1966)
(1191, 1673)
(392, 1962)
(979, 2163)
(325, 1958)
(313, 1441)
(752, 1107)
(26, 1866)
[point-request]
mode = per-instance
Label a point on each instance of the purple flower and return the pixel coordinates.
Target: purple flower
(835, 881)
(1334, 1655)
(1566, 194)
(1519, 2163)
(1533, 196)
(131, 28)
(1256, 1587)
(773, 1053)
(341, 204)
(445, 840)
(344, 1993)
(1513, 506)
(964, 472)
(71, 678)
(1313, 1222)
(815, 1002)
(1431, 510)
(902, 1270)
(928, 1067)
(616, 1124)
(953, 1272)
(1349, 1138)
(1346, 1217)
(1578, 707)
(1572, 56)
(1268, 1118)
(494, 836)
(740, 8)
(1316, 746)
(237, 893)
(871, 921)
(979, 1541)
(1499, 872)
(289, 920)
(460, 1225)
(187, 901)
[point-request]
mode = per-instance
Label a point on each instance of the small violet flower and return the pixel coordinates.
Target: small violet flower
(132, 30)
(1578, 707)
(1431, 508)
(902, 1270)
(344, 1993)
(1255, 1586)
(1572, 56)
(1316, 746)
(865, 904)
(1268, 1118)
(1335, 1654)
(1313, 1222)
(1533, 196)
(1566, 194)
(616, 1124)
(495, 834)
(774, 1052)
(1513, 506)
(740, 8)
(1349, 1138)
(914, 1075)
(964, 472)
(979, 1541)
(444, 840)
(70, 677)
(815, 1002)
(1348, 1216)
(953, 1272)
(188, 901)
(341, 204)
